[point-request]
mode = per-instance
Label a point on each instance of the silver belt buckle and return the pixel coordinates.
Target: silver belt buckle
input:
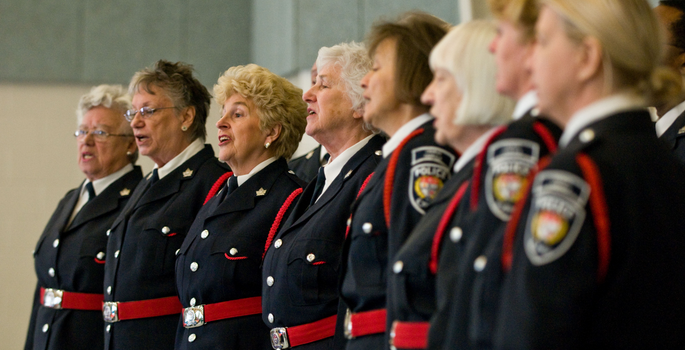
(194, 316)
(348, 325)
(279, 338)
(110, 311)
(52, 298)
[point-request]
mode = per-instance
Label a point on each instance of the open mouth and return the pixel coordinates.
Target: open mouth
(223, 139)
(310, 111)
(87, 156)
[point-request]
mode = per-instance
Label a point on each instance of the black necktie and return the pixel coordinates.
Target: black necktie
(325, 159)
(320, 182)
(232, 185)
(91, 191)
(154, 177)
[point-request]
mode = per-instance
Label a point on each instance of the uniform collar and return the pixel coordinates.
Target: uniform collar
(525, 104)
(667, 120)
(259, 167)
(100, 185)
(192, 149)
(322, 153)
(332, 169)
(403, 132)
(473, 150)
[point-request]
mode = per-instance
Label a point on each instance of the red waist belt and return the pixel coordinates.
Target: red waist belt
(60, 299)
(196, 316)
(409, 335)
(364, 323)
(113, 311)
(288, 337)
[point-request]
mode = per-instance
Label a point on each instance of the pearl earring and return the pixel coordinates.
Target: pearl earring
(184, 128)
(128, 153)
(266, 145)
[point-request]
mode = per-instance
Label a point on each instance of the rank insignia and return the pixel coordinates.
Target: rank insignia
(124, 192)
(509, 162)
(681, 131)
(430, 168)
(309, 155)
(261, 192)
(188, 173)
(556, 215)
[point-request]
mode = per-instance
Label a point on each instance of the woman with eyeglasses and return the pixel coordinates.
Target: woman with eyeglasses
(168, 118)
(70, 254)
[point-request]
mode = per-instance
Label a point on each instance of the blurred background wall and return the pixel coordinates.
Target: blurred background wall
(53, 51)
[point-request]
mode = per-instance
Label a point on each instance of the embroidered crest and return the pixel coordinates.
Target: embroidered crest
(124, 192)
(509, 162)
(556, 215)
(430, 168)
(261, 192)
(188, 173)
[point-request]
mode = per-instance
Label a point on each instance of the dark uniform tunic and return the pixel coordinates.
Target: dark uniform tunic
(303, 263)
(142, 248)
(227, 242)
(468, 277)
(674, 137)
(72, 259)
(583, 278)
(422, 168)
(307, 166)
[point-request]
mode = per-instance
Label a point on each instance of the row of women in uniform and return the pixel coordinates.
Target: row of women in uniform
(458, 208)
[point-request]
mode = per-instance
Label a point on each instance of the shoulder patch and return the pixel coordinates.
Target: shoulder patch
(509, 162)
(430, 168)
(556, 215)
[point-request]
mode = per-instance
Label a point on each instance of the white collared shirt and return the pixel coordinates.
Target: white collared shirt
(597, 111)
(256, 169)
(194, 148)
(667, 120)
(525, 104)
(99, 185)
(473, 150)
(333, 168)
(403, 132)
(322, 153)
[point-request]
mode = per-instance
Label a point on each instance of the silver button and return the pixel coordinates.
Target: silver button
(116, 254)
(367, 227)
(587, 135)
(45, 327)
(109, 326)
(271, 318)
(270, 281)
(233, 251)
(55, 243)
(165, 229)
(535, 112)
(178, 251)
(479, 263)
(379, 153)
(191, 338)
(399, 265)
(456, 234)
(109, 290)
(108, 232)
(204, 234)
(101, 255)
(192, 301)
(349, 221)
(51, 272)
(311, 257)
(193, 266)
(278, 243)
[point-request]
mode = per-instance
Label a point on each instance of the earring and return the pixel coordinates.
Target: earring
(128, 153)
(184, 128)
(266, 145)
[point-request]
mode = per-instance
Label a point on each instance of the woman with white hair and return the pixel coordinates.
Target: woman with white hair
(302, 264)
(594, 254)
(467, 112)
(70, 254)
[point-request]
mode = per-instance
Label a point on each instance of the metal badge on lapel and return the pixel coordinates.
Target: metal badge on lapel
(430, 168)
(557, 213)
(681, 131)
(348, 174)
(125, 192)
(309, 155)
(261, 192)
(188, 173)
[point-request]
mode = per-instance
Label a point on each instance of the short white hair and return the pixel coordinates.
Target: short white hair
(354, 63)
(464, 53)
(109, 96)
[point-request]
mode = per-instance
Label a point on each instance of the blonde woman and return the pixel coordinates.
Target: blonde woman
(595, 256)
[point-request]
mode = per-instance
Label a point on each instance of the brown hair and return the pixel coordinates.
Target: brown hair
(415, 33)
(521, 13)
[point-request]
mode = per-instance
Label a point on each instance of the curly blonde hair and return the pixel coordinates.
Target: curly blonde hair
(278, 102)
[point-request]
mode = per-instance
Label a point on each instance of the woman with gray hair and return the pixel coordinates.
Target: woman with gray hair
(168, 118)
(70, 253)
(302, 264)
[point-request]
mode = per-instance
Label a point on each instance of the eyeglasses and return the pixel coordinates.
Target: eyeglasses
(145, 112)
(98, 135)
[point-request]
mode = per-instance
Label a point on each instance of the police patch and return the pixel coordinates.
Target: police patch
(509, 162)
(556, 215)
(430, 168)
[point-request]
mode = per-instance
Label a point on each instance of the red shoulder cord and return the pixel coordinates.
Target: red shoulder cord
(510, 231)
(390, 174)
(279, 218)
(444, 221)
(546, 136)
(478, 167)
(217, 185)
(600, 212)
(361, 189)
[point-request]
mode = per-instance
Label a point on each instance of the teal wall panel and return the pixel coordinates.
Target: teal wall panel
(273, 35)
(390, 9)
